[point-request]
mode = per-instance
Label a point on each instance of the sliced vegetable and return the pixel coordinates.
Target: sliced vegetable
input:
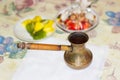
(39, 28)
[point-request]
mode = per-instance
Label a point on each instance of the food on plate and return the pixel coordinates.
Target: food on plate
(39, 27)
(76, 21)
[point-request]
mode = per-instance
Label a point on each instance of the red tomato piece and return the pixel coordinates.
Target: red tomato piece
(82, 25)
(71, 26)
(87, 25)
(67, 21)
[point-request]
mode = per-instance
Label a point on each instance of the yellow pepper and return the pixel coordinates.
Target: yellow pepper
(24, 23)
(38, 26)
(49, 26)
(37, 18)
(49, 29)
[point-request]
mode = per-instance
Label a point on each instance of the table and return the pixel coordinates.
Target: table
(12, 11)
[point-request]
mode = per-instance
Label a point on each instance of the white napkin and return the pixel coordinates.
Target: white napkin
(50, 65)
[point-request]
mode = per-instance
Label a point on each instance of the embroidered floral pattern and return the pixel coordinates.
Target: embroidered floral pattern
(114, 20)
(108, 34)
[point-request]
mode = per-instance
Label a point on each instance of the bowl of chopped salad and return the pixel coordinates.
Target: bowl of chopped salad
(73, 19)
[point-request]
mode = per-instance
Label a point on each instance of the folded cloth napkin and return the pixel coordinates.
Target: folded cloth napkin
(50, 65)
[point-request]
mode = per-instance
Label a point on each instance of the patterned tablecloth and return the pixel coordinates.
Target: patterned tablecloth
(106, 33)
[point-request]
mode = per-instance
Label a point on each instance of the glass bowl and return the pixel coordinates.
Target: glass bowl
(70, 19)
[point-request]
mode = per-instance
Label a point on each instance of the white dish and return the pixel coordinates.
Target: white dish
(21, 33)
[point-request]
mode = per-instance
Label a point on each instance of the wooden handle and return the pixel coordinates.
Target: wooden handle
(37, 46)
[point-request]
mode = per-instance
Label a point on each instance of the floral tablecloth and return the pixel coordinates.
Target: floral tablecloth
(106, 33)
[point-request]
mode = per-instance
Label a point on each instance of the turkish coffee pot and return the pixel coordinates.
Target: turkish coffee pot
(76, 55)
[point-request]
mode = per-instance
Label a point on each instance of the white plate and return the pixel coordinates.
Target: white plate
(21, 33)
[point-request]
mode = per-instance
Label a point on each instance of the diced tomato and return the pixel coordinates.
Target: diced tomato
(86, 25)
(82, 25)
(71, 26)
(67, 21)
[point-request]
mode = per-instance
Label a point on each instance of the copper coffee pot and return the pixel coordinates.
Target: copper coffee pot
(76, 55)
